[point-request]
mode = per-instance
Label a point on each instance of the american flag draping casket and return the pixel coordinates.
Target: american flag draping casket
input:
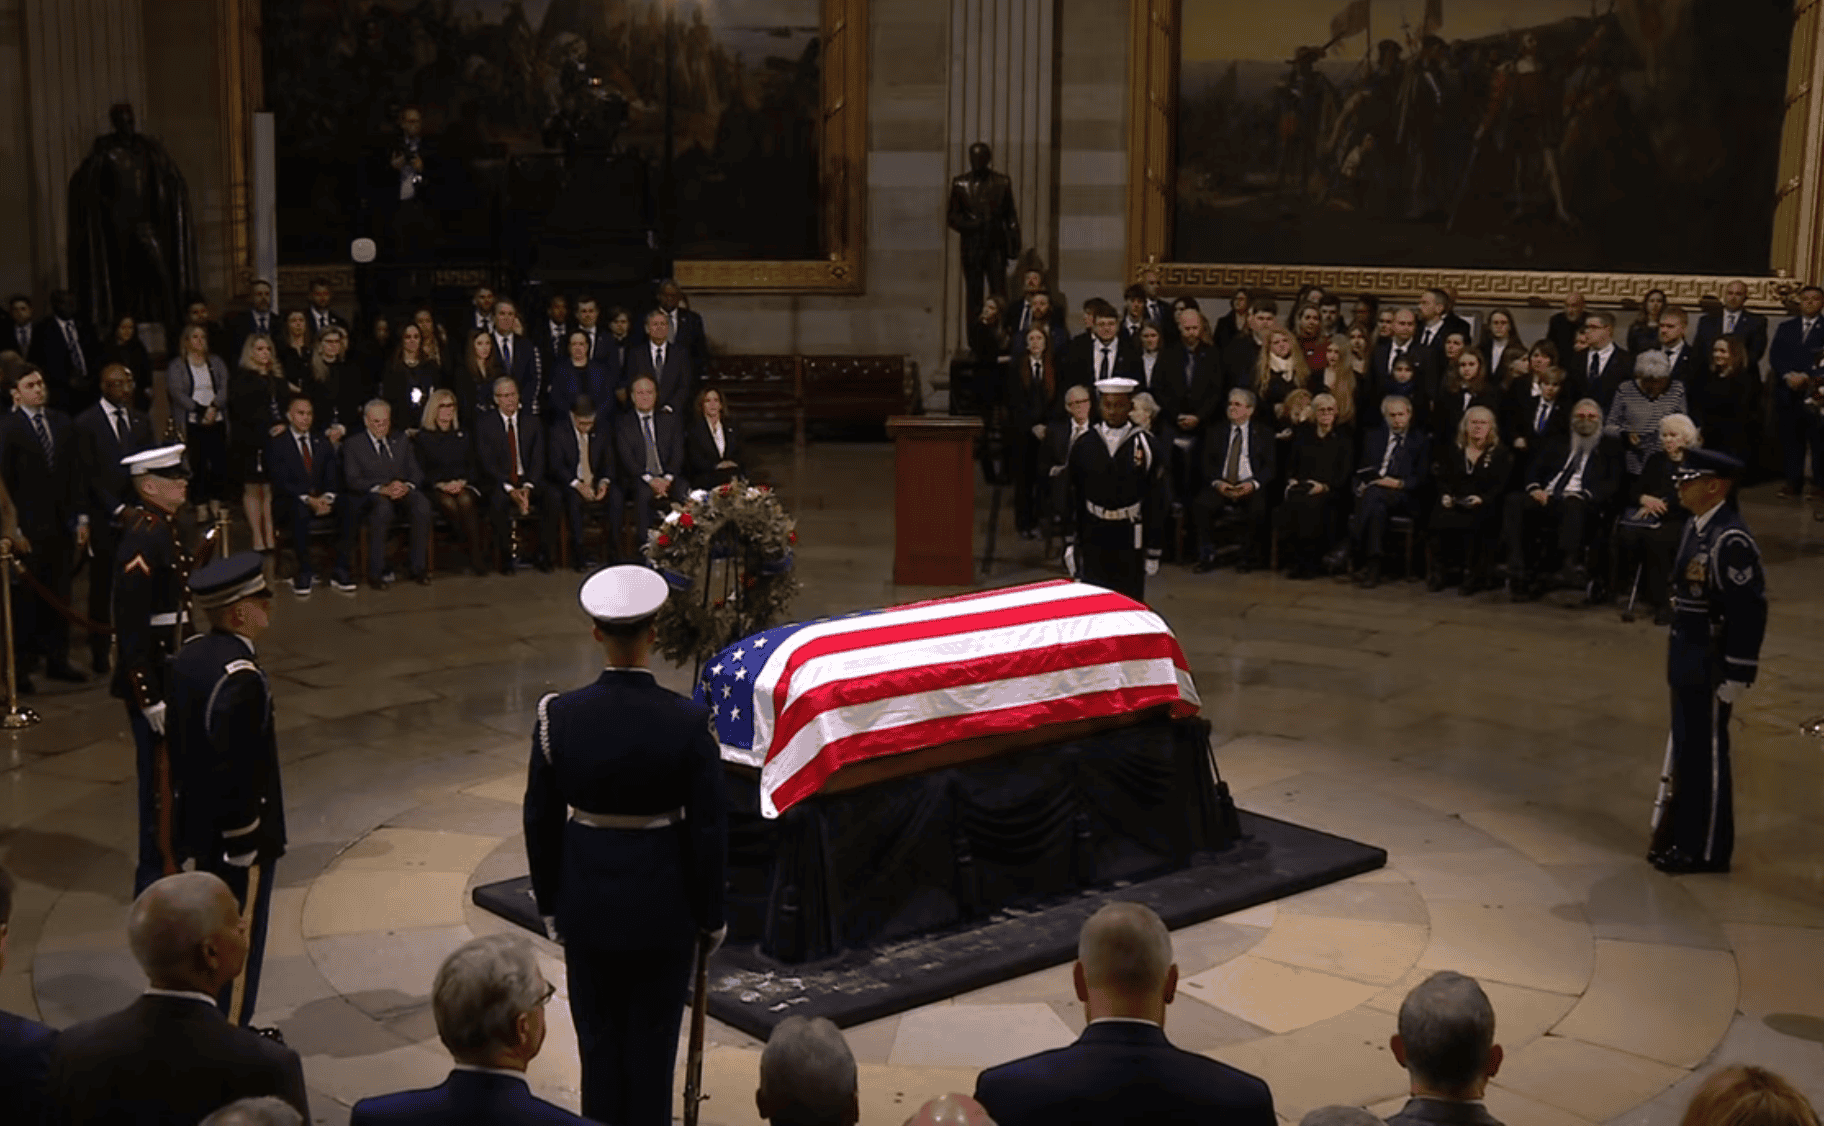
(801, 701)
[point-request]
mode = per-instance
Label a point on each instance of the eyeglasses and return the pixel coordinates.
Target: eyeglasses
(543, 998)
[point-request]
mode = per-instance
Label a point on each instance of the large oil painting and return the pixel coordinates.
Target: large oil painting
(511, 89)
(1565, 135)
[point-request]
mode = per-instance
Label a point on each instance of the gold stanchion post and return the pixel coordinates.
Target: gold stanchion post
(16, 717)
(221, 535)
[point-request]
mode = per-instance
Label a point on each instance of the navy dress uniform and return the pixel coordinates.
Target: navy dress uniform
(231, 806)
(1719, 616)
(151, 620)
(626, 837)
(1115, 482)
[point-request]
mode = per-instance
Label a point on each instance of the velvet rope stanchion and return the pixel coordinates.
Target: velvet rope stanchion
(16, 717)
(221, 535)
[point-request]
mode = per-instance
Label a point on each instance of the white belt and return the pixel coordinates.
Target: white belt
(169, 619)
(1131, 512)
(627, 820)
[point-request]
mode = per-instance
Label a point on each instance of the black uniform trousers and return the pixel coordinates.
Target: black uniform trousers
(148, 748)
(1700, 819)
(628, 1006)
(252, 888)
(1108, 557)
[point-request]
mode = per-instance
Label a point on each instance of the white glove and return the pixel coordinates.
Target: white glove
(1038, 431)
(1070, 561)
(716, 938)
(1152, 567)
(155, 717)
(550, 922)
(1729, 691)
(244, 860)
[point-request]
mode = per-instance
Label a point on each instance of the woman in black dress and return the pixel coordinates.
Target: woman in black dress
(295, 347)
(473, 379)
(256, 415)
(1722, 401)
(1652, 521)
(410, 377)
(1471, 478)
(712, 447)
(337, 391)
(1317, 487)
(1643, 333)
(447, 458)
(1466, 385)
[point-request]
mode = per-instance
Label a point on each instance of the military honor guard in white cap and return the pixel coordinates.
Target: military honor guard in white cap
(231, 805)
(1719, 616)
(626, 836)
(1116, 488)
(151, 620)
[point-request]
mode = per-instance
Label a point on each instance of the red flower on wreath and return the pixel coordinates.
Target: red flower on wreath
(687, 521)
(664, 540)
(791, 537)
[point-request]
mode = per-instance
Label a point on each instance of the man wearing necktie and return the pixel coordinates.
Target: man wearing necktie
(1100, 353)
(1733, 319)
(685, 328)
(1396, 460)
(1602, 367)
(257, 320)
(383, 472)
(40, 468)
(1797, 373)
(1672, 324)
(20, 307)
(668, 363)
(1568, 490)
(307, 485)
(321, 315)
(649, 450)
(1060, 438)
(510, 451)
(105, 433)
(1238, 465)
(66, 351)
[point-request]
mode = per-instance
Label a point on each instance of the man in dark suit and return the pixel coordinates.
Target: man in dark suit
(1436, 322)
(1680, 356)
(1188, 386)
(383, 472)
(23, 329)
(1241, 354)
(105, 433)
(1601, 368)
(808, 1074)
(1036, 309)
(649, 450)
(579, 469)
(1572, 480)
(1733, 319)
(551, 332)
(1446, 1043)
(320, 314)
(307, 484)
(1404, 341)
(684, 325)
(624, 805)
(489, 1002)
(25, 1045)
(1060, 437)
(1136, 318)
(1533, 411)
(1794, 355)
(1122, 1068)
(1563, 328)
(667, 364)
(170, 1057)
(1099, 353)
(1158, 309)
(1237, 468)
(65, 349)
(257, 319)
(510, 454)
(478, 317)
(519, 356)
(41, 468)
(1395, 462)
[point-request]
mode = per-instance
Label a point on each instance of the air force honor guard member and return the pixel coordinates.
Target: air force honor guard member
(227, 761)
(1719, 615)
(1115, 532)
(150, 622)
(626, 834)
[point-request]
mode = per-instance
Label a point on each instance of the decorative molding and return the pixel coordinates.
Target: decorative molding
(1797, 249)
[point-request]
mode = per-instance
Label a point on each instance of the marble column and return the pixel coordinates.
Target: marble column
(81, 57)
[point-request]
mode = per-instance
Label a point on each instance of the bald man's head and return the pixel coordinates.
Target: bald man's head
(951, 1110)
(185, 932)
(1125, 947)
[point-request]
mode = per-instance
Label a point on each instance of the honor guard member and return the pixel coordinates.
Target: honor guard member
(1719, 615)
(231, 808)
(1116, 493)
(150, 623)
(626, 836)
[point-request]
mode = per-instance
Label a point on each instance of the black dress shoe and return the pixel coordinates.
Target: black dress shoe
(99, 663)
(1673, 862)
(382, 583)
(422, 578)
(65, 672)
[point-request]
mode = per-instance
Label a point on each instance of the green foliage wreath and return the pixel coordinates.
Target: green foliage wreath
(735, 541)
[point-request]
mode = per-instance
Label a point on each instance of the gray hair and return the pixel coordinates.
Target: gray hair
(1448, 1028)
(1323, 399)
(373, 405)
(807, 1072)
(1652, 365)
(1144, 401)
(1246, 396)
(505, 380)
(1682, 425)
(263, 1111)
(172, 918)
(1125, 946)
(1338, 1116)
(1393, 401)
(480, 991)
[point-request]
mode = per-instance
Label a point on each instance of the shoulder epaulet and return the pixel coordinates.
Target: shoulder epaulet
(137, 519)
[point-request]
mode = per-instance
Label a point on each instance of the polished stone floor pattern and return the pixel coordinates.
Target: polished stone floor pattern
(1504, 755)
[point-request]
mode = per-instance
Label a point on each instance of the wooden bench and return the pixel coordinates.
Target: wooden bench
(801, 391)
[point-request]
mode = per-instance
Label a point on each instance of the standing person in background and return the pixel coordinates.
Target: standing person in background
(124, 347)
(1032, 387)
(105, 433)
(197, 384)
(255, 415)
(1115, 531)
(40, 466)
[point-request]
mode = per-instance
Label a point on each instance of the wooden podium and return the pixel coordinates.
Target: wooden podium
(934, 499)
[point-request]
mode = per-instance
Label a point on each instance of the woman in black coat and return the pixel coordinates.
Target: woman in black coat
(1722, 401)
(1317, 487)
(712, 446)
(1471, 478)
(337, 390)
(256, 414)
(1466, 386)
(447, 458)
(1652, 521)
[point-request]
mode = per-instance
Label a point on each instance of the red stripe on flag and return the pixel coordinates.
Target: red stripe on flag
(942, 627)
(869, 744)
(956, 674)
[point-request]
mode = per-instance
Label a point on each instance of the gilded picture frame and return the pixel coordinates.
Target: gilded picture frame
(1796, 254)
(842, 147)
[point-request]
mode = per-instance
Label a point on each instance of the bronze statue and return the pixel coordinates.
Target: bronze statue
(982, 211)
(132, 246)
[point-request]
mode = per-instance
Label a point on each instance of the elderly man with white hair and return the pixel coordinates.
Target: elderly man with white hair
(807, 1076)
(263, 1111)
(171, 1056)
(488, 999)
(1123, 1069)
(1446, 1043)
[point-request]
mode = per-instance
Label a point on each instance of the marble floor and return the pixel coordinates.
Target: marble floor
(1504, 755)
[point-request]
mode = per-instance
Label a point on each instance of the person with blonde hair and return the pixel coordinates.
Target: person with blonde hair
(1472, 474)
(1744, 1095)
(1279, 370)
(447, 457)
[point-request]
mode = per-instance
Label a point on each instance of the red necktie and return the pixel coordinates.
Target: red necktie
(304, 448)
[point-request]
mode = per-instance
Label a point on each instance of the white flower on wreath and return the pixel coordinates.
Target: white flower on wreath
(698, 496)
(672, 516)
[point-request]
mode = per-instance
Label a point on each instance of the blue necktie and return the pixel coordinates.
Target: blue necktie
(44, 439)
